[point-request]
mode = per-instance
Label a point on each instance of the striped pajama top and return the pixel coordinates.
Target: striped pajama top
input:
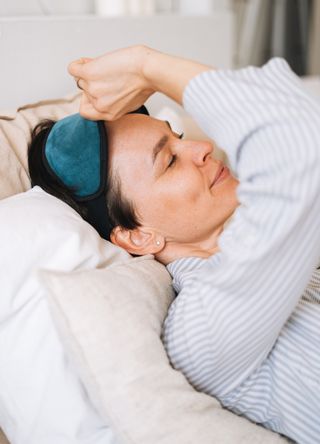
(245, 325)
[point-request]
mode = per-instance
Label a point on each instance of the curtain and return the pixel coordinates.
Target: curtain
(276, 28)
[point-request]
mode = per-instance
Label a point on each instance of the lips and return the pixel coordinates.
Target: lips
(222, 173)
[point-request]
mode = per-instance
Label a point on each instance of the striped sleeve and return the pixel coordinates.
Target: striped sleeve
(229, 312)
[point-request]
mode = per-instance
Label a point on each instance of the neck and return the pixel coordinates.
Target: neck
(173, 250)
(203, 248)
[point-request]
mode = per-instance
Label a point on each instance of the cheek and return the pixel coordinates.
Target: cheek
(186, 191)
(185, 204)
(166, 200)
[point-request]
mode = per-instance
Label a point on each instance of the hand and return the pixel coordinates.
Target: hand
(121, 81)
(113, 84)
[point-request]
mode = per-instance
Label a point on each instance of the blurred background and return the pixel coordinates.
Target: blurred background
(262, 28)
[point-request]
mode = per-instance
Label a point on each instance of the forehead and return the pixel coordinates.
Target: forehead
(131, 140)
(133, 135)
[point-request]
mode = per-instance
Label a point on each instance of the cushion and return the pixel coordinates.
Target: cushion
(44, 389)
(42, 399)
(111, 320)
(3, 439)
(15, 130)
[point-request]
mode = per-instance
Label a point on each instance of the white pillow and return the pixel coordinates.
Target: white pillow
(111, 322)
(41, 397)
(42, 400)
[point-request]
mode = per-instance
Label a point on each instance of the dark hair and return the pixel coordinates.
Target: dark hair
(121, 210)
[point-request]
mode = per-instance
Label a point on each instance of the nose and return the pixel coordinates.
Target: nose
(200, 151)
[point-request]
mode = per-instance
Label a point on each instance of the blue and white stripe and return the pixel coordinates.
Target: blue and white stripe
(245, 326)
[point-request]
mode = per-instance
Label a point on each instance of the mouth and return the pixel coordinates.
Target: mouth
(222, 173)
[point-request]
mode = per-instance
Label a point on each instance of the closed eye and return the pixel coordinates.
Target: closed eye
(174, 157)
(172, 161)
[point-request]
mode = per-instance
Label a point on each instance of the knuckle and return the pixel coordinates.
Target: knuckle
(101, 105)
(90, 71)
(93, 90)
(83, 110)
(72, 68)
(84, 113)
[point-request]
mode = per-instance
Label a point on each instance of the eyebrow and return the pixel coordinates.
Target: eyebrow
(159, 146)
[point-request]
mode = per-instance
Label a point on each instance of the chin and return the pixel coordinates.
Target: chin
(230, 215)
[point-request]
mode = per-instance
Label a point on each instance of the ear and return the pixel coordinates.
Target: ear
(138, 241)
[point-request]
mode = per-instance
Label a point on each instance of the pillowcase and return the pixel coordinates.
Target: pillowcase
(42, 399)
(41, 396)
(54, 237)
(15, 131)
(111, 320)
(3, 439)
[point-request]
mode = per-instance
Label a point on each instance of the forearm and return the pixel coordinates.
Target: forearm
(169, 74)
(121, 81)
(232, 105)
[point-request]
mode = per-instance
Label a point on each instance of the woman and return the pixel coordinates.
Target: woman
(245, 325)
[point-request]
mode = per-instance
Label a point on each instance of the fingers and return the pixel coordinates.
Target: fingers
(78, 68)
(92, 89)
(78, 71)
(90, 104)
(78, 83)
(111, 85)
(88, 111)
(83, 85)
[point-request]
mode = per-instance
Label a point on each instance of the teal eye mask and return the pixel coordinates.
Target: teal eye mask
(76, 154)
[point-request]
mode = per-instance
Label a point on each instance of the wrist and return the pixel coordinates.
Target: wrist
(169, 74)
(160, 73)
(148, 71)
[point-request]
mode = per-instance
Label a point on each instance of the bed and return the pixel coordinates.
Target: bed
(134, 391)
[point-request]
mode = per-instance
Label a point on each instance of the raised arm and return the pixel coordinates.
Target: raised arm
(122, 80)
(231, 307)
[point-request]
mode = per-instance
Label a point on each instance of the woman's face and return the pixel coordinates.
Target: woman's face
(170, 180)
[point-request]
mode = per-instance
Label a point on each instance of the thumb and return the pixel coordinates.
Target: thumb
(77, 68)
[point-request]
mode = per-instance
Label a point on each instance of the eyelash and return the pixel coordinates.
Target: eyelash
(172, 161)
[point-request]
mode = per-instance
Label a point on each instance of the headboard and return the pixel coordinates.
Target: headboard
(34, 52)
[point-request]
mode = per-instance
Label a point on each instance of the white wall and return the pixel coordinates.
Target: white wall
(35, 51)
(47, 7)
(44, 7)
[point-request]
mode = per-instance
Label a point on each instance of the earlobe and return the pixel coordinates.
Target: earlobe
(139, 241)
